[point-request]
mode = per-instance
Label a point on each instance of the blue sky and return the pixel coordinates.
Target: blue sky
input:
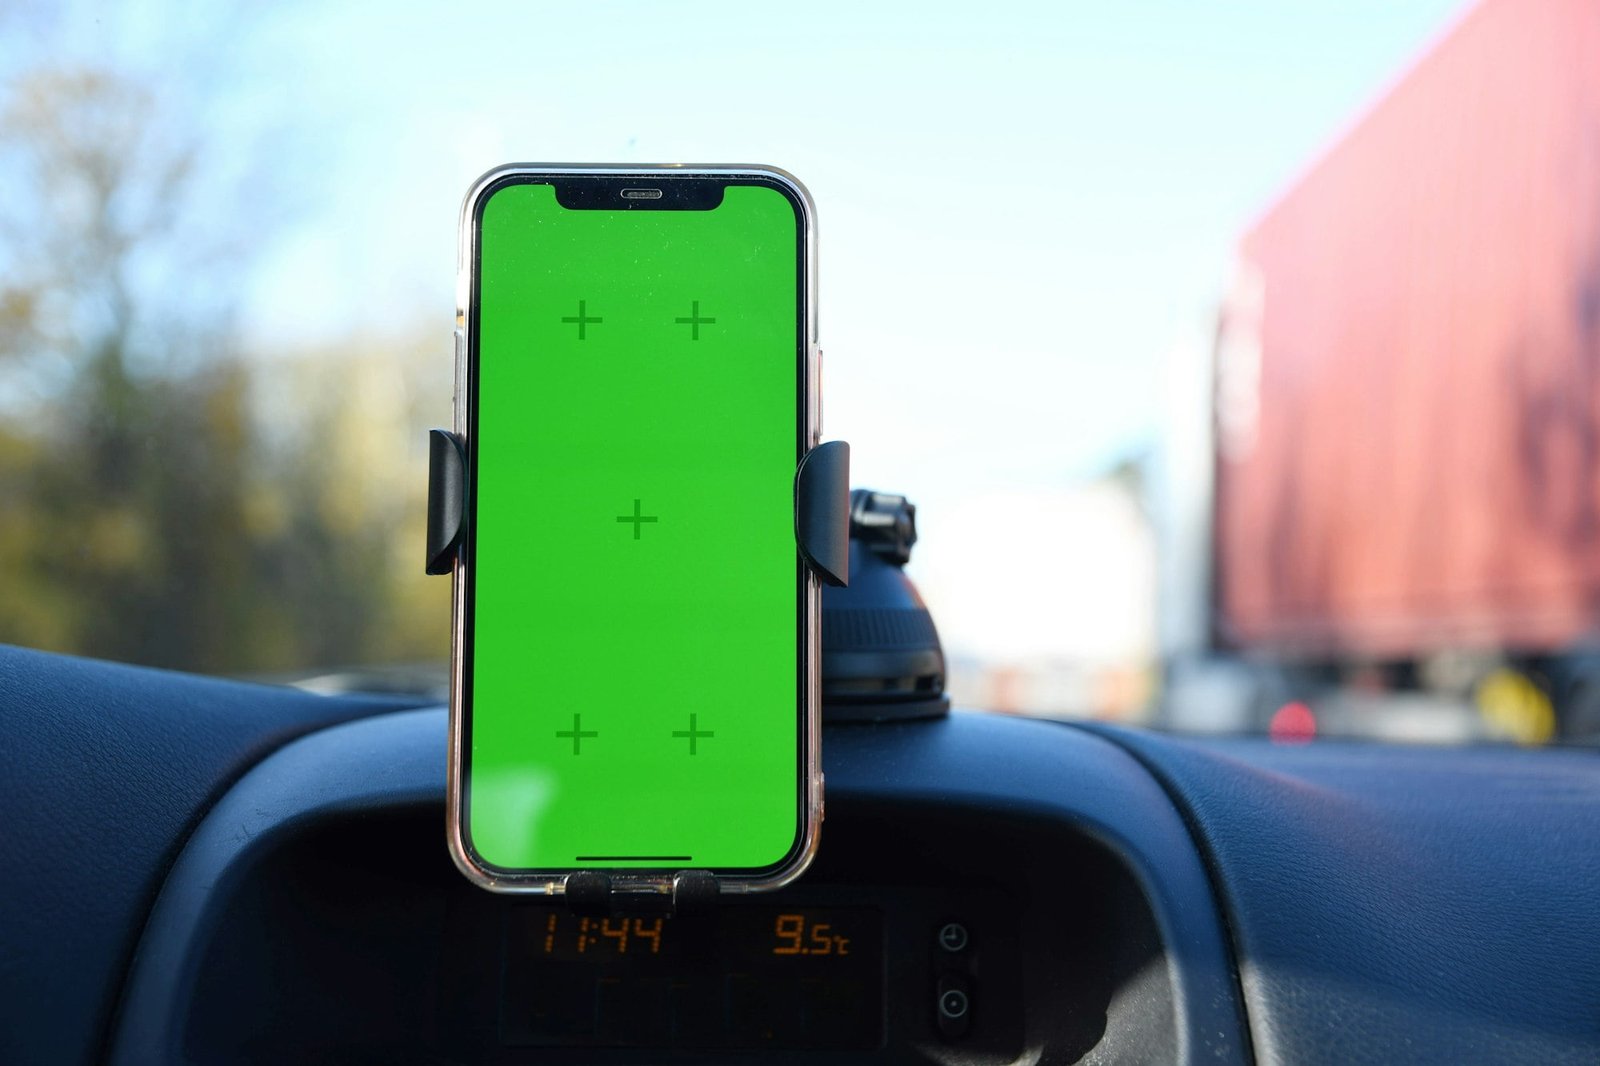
(1021, 205)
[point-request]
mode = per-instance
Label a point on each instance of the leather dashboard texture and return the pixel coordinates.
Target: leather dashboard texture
(1401, 904)
(105, 769)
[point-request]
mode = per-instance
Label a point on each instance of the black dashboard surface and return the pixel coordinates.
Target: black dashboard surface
(104, 771)
(1383, 905)
(973, 801)
(1392, 904)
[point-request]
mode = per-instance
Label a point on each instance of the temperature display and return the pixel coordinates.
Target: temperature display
(746, 934)
(795, 934)
(742, 976)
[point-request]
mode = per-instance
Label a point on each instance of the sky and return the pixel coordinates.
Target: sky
(1022, 208)
(1017, 211)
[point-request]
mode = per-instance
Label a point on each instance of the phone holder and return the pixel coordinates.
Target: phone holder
(822, 527)
(447, 499)
(881, 656)
(821, 506)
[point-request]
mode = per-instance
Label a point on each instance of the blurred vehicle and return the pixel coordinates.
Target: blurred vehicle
(1406, 433)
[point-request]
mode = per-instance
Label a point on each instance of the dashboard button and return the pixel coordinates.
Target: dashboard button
(953, 937)
(954, 1007)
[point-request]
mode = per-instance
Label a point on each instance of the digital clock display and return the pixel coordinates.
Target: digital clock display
(744, 976)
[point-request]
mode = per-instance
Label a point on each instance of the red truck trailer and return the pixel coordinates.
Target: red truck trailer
(1407, 419)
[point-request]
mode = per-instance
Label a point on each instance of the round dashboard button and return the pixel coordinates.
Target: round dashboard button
(953, 1003)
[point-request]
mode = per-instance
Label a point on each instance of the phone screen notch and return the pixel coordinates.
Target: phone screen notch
(629, 193)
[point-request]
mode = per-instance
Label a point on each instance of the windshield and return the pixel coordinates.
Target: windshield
(1240, 360)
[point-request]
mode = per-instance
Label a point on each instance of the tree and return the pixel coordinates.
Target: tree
(143, 515)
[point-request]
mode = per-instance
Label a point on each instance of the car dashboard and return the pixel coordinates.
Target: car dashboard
(315, 916)
(204, 871)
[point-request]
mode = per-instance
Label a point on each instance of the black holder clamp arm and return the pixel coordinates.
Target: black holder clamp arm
(593, 893)
(447, 499)
(822, 511)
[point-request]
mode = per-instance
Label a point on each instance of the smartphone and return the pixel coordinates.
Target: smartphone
(635, 662)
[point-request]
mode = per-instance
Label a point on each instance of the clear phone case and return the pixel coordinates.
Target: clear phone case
(624, 881)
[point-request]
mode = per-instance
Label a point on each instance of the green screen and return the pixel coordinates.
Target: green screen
(634, 693)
